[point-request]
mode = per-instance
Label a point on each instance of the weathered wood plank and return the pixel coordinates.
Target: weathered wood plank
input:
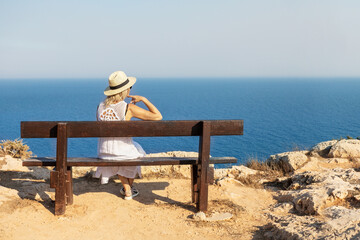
(61, 155)
(44, 129)
(54, 178)
(204, 152)
(194, 183)
(85, 162)
(69, 187)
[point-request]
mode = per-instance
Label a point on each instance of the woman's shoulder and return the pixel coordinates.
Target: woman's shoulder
(121, 103)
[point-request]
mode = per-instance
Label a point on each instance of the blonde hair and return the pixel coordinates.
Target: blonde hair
(116, 98)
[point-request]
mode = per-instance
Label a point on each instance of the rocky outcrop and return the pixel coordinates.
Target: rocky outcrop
(336, 223)
(290, 161)
(322, 203)
(345, 148)
(322, 149)
(349, 148)
(234, 172)
(311, 192)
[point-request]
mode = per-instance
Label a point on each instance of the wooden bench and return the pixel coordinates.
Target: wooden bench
(61, 177)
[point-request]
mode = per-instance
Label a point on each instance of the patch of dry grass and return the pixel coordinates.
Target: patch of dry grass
(270, 167)
(16, 149)
(269, 171)
(254, 181)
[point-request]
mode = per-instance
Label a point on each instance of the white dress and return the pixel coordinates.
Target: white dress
(119, 148)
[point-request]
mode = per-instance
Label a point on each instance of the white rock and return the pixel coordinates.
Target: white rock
(347, 148)
(220, 173)
(13, 164)
(340, 218)
(310, 192)
(290, 161)
(285, 207)
(219, 217)
(339, 223)
(199, 216)
(313, 164)
(242, 171)
(322, 149)
(234, 172)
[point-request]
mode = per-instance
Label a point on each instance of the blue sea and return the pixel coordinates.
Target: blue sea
(279, 114)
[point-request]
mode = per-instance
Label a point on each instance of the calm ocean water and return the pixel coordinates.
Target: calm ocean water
(279, 114)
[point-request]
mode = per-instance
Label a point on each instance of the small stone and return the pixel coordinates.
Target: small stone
(219, 217)
(242, 171)
(199, 216)
(285, 207)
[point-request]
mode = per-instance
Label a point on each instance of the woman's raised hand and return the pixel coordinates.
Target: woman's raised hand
(138, 112)
(136, 98)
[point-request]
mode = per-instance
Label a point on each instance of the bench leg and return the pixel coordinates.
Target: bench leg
(203, 186)
(61, 158)
(69, 186)
(203, 167)
(60, 194)
(194, 184)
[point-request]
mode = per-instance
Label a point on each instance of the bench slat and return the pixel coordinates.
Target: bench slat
(88, 162)
(46, 129)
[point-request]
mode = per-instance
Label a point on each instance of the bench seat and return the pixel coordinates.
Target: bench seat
(61, 177)
(144, 161)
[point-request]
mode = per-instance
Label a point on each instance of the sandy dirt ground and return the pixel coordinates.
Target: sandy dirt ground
(163, 210)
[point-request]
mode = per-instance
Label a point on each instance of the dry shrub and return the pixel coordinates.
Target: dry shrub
(268, 171)
(16, 148)
(225, 205)
(253, 180)
(271, 167)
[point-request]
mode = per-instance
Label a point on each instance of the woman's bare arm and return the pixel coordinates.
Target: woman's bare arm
(134, 111)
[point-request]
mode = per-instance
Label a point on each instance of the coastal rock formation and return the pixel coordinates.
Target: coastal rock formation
(347, 148)
(310, 192)
(336, 223)
(234, 172)
(321, 199)
(322, 149)
(290, 161)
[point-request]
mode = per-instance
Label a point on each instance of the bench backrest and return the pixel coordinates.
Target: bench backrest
(78, 129)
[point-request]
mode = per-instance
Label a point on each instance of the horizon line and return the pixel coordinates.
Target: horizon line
(188, 77)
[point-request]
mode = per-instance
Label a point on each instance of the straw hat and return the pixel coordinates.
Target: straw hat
(118, 82)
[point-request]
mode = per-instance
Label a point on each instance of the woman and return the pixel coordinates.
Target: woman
(114, 108)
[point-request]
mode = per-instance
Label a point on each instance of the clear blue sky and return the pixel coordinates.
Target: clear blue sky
(253, 38)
